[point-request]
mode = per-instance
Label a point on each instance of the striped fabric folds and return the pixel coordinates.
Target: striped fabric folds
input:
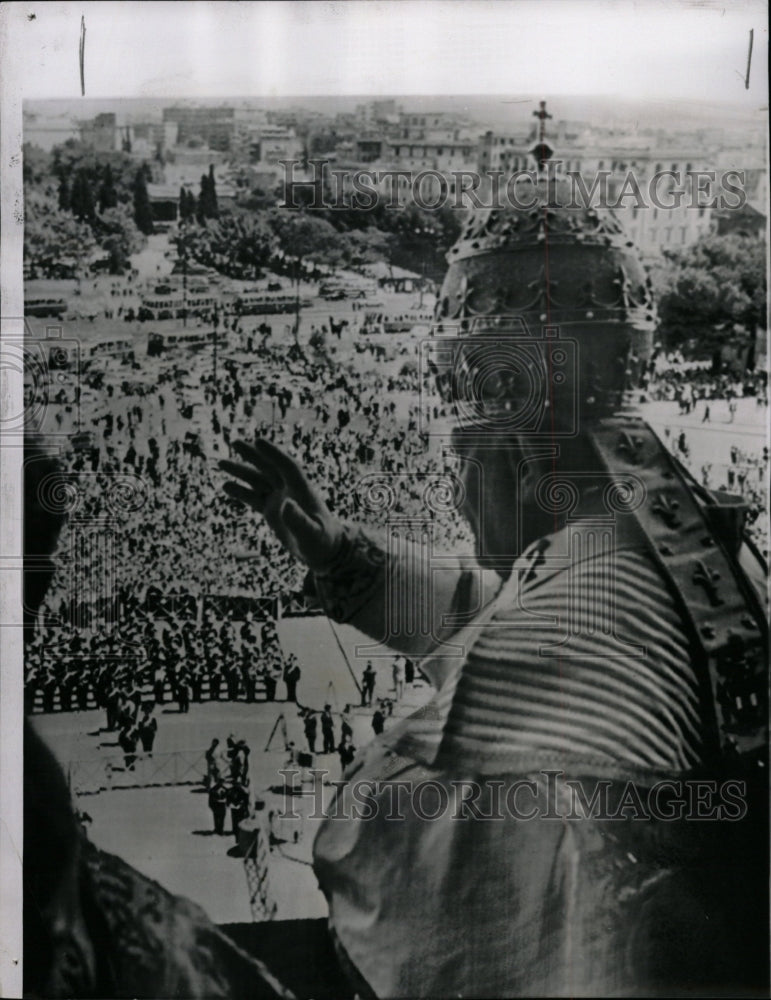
(606, 677)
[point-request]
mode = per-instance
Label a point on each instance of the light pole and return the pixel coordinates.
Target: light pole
(297, 302)
(183, 241)
(216, 324)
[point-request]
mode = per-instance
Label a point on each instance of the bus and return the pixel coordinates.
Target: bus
(263, 304)
(45, 307)
(341, 288)
(382, 322)
(174, 304)
(159, 343)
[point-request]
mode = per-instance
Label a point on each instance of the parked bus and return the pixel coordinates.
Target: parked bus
(263, 304)
(382, 322)
(159, 343)
(45, 307)
(340, 288)
(174, 305)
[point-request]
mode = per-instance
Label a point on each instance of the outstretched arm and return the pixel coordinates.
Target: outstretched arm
(397, 598)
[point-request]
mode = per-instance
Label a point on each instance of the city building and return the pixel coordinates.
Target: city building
(605, 164)
(164, 198)
(101, 132)
(214, 126)
(47, 131)
(748, 220)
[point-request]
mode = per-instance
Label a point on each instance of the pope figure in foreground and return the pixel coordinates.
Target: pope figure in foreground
(606, 639)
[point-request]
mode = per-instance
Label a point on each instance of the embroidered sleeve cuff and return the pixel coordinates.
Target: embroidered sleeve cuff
(353, 577)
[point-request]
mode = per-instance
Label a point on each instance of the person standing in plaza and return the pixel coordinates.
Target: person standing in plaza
(238, 800)
(218, 804)
(212, 764)
(367, 685)
(269, 678)
(147, 728)
(378, 720)
(327, 730)
(346, 723)
(127, 739)
(291, 677)
(310, 725)
(159, 683)
(398, 676)
(182, 691)
(347, 752)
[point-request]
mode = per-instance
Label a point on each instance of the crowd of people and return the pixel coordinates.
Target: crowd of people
(713, 398)
(152, 440)
(228, 784)
(691, 384)
(150, 434)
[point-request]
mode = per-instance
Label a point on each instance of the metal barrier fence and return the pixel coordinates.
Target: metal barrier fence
(146, 770)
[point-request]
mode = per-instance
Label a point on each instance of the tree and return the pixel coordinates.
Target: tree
(213, 206)
(64, 194)
(143, 213)
(423, 237)
(207, 200)
(237, 244)
(53, 236)
(73, 156)
(81, 198)
(108, 196)
(187, 205)
(713, 289)
(36, 164)
(369, 245)
(301, 236)
(257, 199)
(200, 207)
(119, 236)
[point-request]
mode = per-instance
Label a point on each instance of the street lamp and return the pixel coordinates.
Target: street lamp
(216, 324)
(183, 244)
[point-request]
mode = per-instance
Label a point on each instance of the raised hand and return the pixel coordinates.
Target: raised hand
(273, 483)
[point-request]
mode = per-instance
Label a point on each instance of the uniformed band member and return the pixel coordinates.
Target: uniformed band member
(606, 648)
(148, 728)
(94, 926)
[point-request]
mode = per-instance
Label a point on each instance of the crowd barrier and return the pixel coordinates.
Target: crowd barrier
(149, 770)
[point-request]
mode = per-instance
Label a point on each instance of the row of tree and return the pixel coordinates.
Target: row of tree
(713, 293)
(78, 201)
